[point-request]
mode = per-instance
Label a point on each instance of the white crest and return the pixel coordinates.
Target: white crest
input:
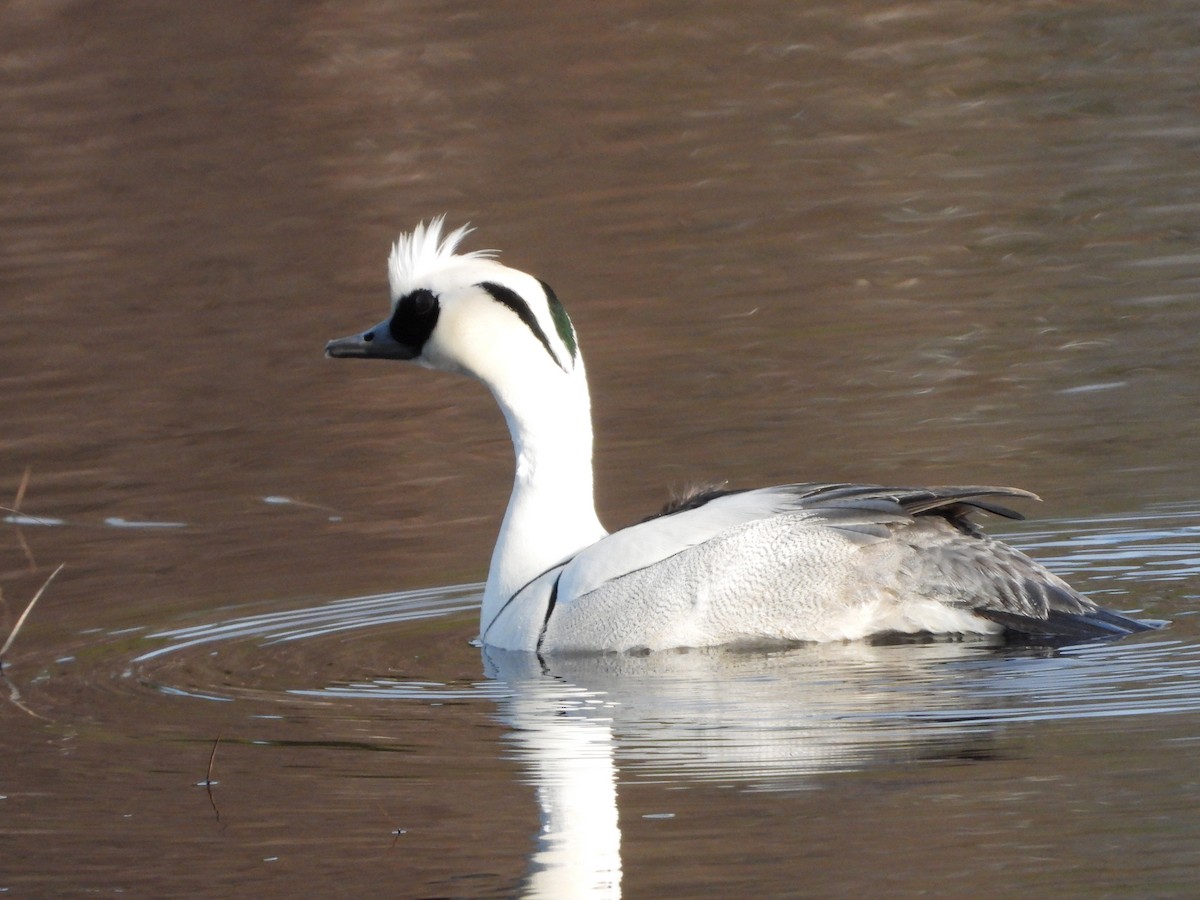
(417, 255)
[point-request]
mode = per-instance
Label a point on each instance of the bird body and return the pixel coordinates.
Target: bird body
(796, 562)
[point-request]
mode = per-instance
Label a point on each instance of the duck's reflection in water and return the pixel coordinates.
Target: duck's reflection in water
(767, 720)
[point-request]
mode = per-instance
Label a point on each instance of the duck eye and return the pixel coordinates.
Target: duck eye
(417, 305)
(423, 302)
(414, 318)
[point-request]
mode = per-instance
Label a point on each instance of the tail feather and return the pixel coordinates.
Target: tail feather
(1067, 627)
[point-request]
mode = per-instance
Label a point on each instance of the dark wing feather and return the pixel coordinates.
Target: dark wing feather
(954, 504)
(1059, 626)
(693, 498)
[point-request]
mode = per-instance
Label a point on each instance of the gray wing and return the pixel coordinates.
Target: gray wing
(955, 562)
(963, 567)
(864, 513)
(1000, 583)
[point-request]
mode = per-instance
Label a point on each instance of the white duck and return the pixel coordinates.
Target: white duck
(795, 562)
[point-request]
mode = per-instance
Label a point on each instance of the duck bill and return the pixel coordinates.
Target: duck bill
(375, 343)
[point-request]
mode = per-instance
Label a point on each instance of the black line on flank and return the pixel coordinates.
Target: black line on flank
(549, 610)
(517, 593)
(513, 301)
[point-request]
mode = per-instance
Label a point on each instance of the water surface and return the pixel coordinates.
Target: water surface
(924, 243)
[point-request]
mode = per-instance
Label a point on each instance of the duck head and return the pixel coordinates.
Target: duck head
(465, 312)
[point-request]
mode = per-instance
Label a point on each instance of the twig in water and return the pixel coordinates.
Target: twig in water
(208, 782)
(212, 758)
(14, 697)
(16, 511)
(397, 831)
(28, 609)
(21, 489)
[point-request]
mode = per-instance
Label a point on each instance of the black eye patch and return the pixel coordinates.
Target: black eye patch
(413, 319)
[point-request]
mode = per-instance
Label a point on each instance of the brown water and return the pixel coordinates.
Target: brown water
(926, 242)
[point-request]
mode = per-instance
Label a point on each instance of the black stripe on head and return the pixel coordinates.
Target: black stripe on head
(413, 319)
(514, 301)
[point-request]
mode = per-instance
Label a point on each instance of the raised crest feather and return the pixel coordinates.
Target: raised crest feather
(423, 251)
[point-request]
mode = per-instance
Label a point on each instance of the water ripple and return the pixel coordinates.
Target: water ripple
(350, 614)
(772, 715)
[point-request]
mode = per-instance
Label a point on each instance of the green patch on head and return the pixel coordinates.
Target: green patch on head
(562, 322)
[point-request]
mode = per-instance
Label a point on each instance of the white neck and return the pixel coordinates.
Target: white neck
(552, 513)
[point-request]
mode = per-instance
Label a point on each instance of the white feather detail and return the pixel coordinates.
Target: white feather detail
(647, 543)
(423, 251)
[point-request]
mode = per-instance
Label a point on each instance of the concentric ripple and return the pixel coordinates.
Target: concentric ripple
(770, 716)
